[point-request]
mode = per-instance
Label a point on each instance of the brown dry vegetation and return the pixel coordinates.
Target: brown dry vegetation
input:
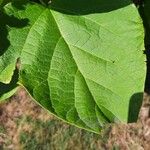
(25, 125)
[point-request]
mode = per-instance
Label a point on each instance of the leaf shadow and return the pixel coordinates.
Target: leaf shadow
(82, 7)
(134, 107)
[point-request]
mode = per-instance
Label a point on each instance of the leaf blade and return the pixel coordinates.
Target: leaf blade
(56, 45)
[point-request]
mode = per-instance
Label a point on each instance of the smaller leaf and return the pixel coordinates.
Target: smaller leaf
(7, 90)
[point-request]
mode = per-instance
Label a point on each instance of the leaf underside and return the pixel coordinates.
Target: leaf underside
(82, 62)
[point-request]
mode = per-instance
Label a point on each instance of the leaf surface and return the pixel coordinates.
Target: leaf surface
(83, 65)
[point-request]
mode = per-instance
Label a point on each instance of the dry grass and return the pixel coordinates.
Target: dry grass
(25, 126)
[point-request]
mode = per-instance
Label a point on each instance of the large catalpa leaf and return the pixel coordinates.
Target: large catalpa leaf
(81, 61)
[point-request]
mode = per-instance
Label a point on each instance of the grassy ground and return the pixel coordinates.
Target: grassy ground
(25, 126)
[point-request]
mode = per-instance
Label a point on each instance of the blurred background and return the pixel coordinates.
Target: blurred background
(24, 125)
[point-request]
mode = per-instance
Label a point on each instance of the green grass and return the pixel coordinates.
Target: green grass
(2, 129)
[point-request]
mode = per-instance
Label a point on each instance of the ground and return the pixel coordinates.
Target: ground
(24, 125)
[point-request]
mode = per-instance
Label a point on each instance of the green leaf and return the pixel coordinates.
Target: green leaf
(81, 61)
(1, 1)
(4, 2)
(7, 90)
